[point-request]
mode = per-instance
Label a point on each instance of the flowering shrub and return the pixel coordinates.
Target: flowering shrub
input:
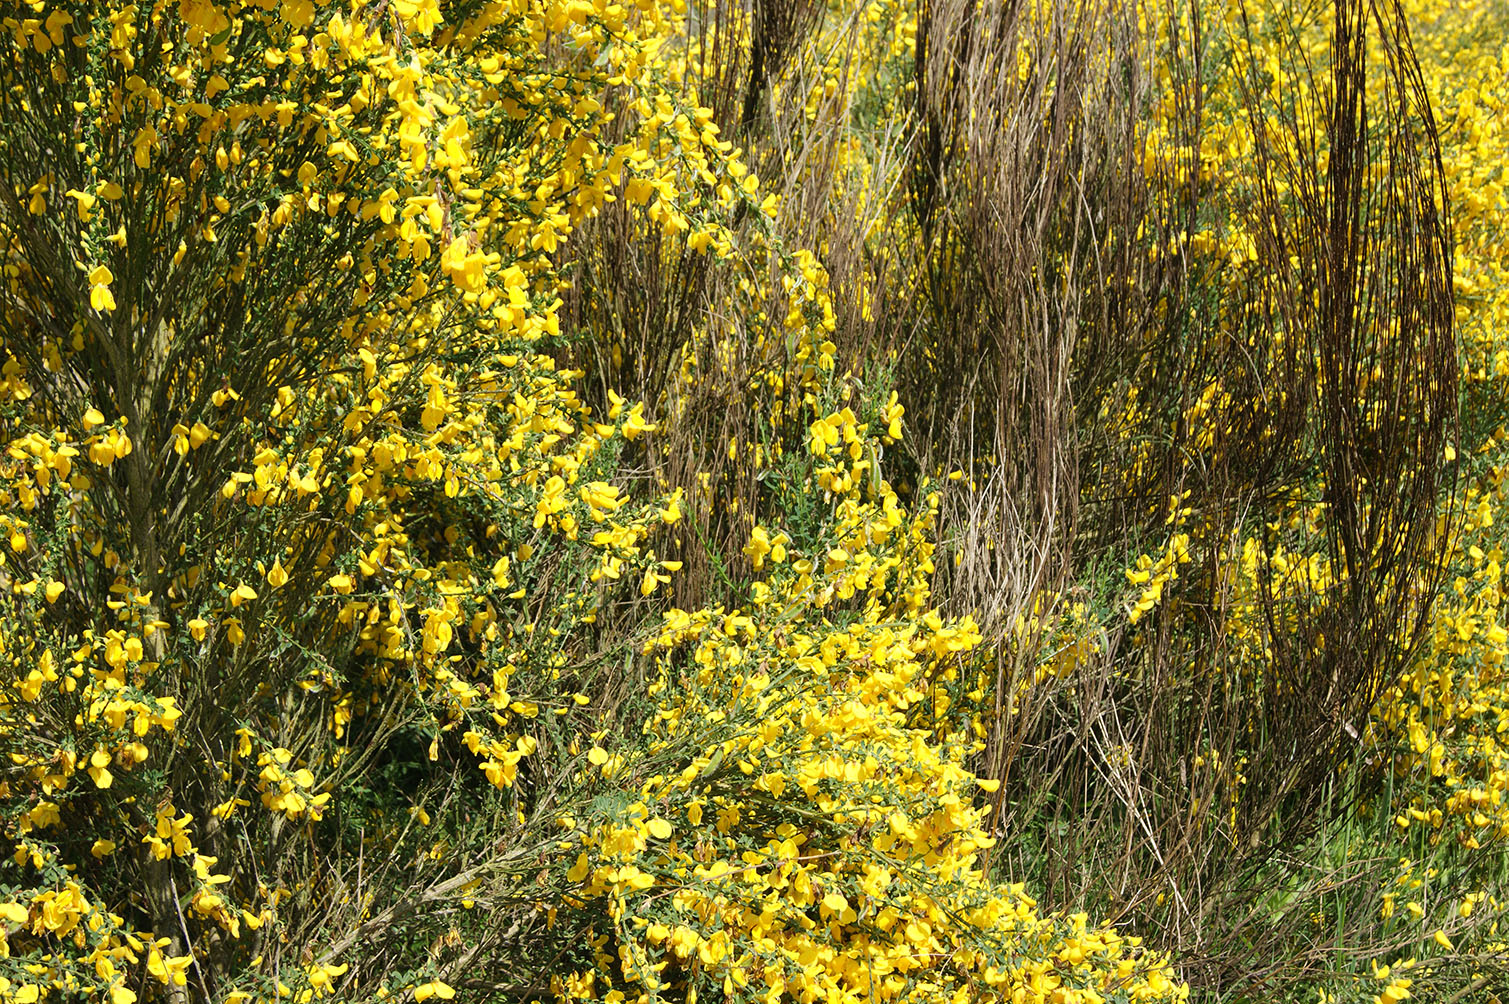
(289, 479)
(589, 501)
(800, 821)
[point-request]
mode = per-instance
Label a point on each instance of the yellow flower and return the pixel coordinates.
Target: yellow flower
(85, 203)
(100, 297)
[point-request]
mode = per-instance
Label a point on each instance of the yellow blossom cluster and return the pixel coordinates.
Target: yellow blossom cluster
(817, 835)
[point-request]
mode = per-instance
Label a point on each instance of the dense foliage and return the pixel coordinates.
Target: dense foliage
(675, 501)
